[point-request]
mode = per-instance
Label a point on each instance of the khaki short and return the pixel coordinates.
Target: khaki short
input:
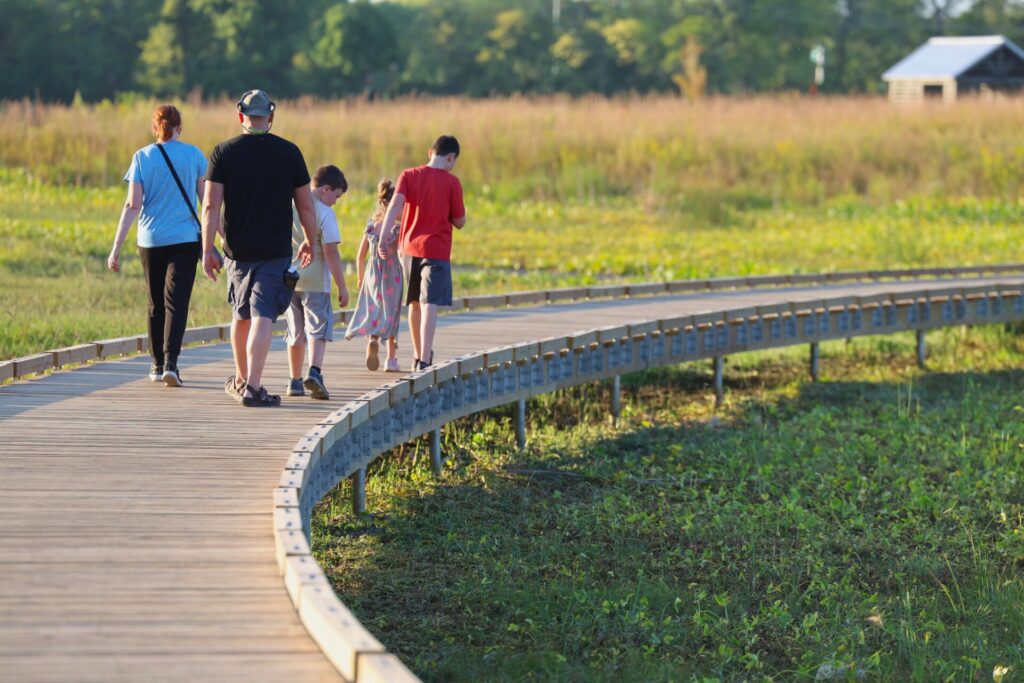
(309, 316)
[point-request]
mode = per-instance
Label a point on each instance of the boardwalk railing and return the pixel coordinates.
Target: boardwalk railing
(345, 442)
(27, 366)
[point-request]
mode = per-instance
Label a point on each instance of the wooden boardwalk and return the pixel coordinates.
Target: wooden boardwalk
(136, 540)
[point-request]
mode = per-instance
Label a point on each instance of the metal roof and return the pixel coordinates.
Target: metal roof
(948, 57)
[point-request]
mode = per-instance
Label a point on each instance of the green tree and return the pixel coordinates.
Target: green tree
(638, 52)
(56, 48)
(25, 50)
(872, 36)
(516, 56)
(442, 39)
(583, 59)
(354, 50)
(162, 67)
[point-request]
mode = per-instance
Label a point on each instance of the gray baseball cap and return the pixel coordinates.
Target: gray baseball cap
(256, 103)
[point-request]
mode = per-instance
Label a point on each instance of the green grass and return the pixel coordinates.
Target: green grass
(873, 521)
(55, 289)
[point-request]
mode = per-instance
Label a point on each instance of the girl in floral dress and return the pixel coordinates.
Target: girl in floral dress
(379, 307)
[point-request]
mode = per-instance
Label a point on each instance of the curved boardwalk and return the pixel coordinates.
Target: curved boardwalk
(136, 536)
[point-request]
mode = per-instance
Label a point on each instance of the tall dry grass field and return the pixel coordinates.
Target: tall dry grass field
(661, 148)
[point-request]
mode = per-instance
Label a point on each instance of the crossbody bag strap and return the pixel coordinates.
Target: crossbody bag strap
(177, 180)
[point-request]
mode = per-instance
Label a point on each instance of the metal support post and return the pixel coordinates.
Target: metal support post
(921, 349)
(719, 380)
(616, 397)
(521, 424)
(815, 356)
(359, 491)
(435, 451)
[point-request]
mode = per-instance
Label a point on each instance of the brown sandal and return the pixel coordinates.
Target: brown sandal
(232, 389)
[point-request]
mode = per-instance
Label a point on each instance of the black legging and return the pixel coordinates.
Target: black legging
(170, 273)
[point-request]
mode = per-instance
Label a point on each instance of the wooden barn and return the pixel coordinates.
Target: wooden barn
(944, 68)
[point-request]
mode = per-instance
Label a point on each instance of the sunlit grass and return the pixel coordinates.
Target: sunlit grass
(870, 524)
(55, 290)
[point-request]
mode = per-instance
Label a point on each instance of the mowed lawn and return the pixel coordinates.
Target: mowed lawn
(867, 527)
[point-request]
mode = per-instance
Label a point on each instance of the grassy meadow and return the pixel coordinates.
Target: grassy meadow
(868, 527)
(559, 192)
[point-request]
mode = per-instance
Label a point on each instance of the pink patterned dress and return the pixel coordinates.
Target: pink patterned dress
(379, 306)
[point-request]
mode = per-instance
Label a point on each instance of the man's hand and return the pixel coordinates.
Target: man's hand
(305, 253)
(112, 261)
(211, 264)
(343, 297)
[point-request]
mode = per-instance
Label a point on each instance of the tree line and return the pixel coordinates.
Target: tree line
(55, 50)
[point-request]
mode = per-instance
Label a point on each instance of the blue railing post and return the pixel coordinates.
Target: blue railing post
(359, 491)
(616, 397)
(719, 380)
(435, 450)
(521, 424)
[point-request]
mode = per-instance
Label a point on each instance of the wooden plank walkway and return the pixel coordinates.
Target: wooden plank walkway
(135, 520)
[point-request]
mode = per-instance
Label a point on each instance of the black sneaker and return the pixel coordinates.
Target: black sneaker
(315, 383)
(156, 373)
(171, 376)
(259, 398)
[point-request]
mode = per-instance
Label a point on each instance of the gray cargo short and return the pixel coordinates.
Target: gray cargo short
(309, 315)
(257, 289)
(430, 280)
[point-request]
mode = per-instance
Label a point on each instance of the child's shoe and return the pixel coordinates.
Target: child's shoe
(373, 355)
(295, 388)
(315, 383)
(393, 365)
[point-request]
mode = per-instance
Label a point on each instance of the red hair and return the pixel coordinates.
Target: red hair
(166, 118)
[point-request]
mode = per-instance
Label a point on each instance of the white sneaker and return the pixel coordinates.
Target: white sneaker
(393, 365)
(171, 376)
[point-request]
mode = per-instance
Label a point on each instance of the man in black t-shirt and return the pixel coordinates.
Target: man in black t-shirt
(256, 176)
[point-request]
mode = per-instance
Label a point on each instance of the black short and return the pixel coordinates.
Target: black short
(430, 280)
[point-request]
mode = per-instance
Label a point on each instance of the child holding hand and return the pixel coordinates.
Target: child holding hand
(379, 306)
(310, 315)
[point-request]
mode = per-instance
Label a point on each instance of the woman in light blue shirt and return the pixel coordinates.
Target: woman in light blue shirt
(168, 234)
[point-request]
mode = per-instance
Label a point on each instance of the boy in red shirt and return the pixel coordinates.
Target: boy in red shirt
(429, 199)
